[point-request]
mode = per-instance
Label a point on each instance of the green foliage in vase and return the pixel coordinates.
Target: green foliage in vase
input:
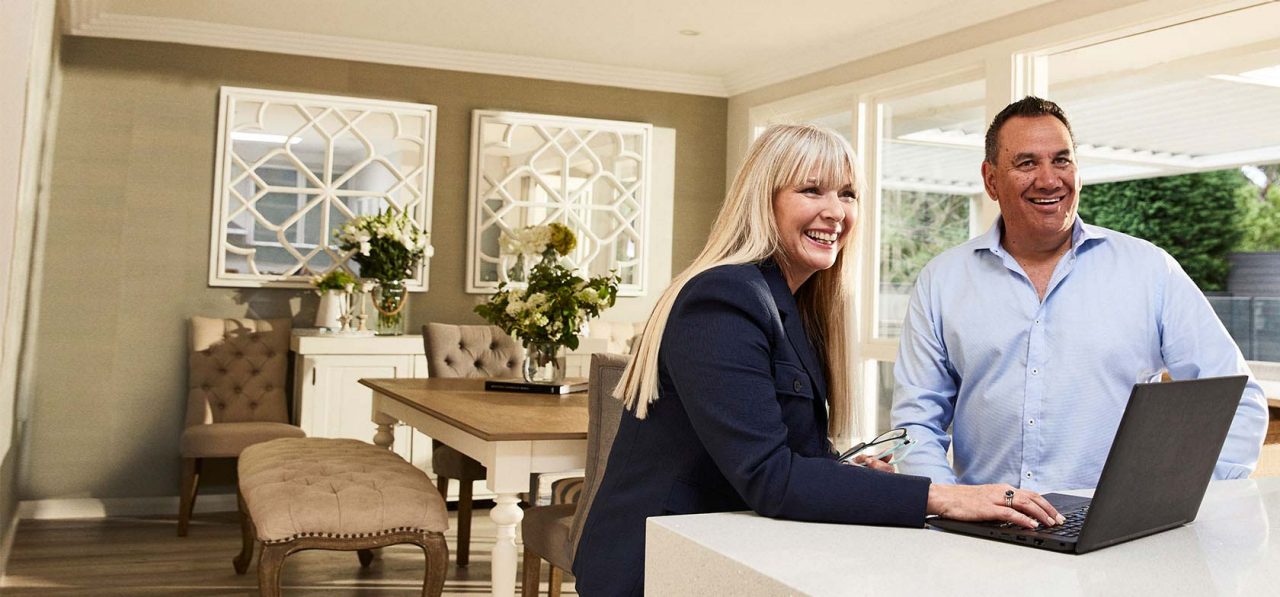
(556, 302)
(338, 279)
(387, 246)
(1195, 217)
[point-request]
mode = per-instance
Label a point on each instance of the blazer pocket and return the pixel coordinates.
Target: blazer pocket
(791, 380)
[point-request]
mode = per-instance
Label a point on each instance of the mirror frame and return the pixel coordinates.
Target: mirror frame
(417, 178)
(480, 218)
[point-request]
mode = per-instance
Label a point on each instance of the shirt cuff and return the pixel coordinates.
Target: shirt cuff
(1231, 471)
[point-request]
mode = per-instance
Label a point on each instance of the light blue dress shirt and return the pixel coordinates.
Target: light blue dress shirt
(1033, 391)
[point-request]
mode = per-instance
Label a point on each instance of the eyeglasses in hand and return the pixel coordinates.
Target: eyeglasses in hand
(890, 447)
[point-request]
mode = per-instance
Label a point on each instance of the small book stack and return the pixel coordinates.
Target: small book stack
(568, 386)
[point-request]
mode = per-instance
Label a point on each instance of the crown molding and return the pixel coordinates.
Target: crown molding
(90, 18)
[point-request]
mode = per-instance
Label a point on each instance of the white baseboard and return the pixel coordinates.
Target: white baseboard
(104, 507)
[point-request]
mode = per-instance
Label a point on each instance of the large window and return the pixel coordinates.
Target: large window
(927, 182)
(1181, 88)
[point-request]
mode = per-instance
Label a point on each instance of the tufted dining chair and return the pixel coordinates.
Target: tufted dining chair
(235, 395)
(552, 532)
(466, 351)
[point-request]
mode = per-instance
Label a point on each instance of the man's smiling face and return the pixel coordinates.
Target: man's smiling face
(1034, 179)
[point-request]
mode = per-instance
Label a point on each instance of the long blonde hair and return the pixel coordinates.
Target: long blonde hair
(745, 232)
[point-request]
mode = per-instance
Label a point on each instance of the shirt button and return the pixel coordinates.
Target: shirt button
(1028, 474)
(1035, 371)
(1031, 421)
(798, 385)
(1037, 321)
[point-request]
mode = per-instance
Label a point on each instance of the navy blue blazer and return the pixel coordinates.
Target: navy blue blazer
(740, 424)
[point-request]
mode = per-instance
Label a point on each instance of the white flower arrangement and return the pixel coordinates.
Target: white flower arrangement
(387, 246)
(556, 302)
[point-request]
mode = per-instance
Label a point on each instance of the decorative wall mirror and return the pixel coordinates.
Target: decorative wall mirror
(591, 175)
(294, 167)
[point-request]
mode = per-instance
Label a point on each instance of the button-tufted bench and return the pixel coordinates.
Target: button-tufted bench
(322, 493)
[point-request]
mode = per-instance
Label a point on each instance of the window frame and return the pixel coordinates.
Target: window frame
(1011, 68)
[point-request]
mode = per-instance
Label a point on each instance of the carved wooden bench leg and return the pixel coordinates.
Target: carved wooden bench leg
(248, 538)
(437, 553)
(270, 561)
(531, 571)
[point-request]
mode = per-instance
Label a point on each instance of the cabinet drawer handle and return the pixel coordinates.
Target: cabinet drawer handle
(313, 377)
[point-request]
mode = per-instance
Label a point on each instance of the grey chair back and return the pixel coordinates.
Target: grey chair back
(471, 351)
(604, 415)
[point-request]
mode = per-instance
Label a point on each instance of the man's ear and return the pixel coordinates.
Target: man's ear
(989, 179)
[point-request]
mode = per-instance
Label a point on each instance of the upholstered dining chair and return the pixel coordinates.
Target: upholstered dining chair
(235, 395)
(551, 533)
(466, 351)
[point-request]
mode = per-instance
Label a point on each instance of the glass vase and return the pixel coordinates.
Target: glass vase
(542, 363)
(389, 298)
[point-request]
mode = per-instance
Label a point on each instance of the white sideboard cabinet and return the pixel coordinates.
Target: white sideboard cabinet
(328, 400)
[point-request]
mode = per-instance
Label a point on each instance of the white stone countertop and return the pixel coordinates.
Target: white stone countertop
(1228, 550)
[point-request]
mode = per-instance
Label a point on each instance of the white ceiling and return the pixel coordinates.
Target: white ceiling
(741, 45)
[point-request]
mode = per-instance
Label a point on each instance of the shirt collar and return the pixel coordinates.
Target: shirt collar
(1082, 234)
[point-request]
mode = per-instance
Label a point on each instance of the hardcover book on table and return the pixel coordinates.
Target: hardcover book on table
(568, 386)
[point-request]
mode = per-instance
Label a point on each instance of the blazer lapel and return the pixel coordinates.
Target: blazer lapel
(794, 327)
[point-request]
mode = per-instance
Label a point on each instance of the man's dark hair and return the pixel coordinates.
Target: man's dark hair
(1027, 107)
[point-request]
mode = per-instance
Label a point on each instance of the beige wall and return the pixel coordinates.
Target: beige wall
(128, 235)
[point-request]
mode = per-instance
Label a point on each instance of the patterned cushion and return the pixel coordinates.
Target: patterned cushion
(335, 488)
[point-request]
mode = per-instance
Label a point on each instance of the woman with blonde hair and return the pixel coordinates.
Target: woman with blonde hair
(728, 391)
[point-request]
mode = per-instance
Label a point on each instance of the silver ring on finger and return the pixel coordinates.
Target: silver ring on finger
(1008, 498)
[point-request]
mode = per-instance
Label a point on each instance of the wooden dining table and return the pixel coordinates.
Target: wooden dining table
(512, 434)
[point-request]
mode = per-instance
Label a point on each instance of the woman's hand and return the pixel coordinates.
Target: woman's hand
(872, 463)
(988, 502)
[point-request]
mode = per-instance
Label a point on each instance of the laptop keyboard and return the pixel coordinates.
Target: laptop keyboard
(1070, 528)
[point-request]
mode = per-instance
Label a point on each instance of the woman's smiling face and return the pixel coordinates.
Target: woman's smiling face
(813, 220)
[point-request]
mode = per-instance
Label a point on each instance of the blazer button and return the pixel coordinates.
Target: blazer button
(798, 385)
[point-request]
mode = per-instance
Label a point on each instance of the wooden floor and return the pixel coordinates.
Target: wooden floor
(143, 556)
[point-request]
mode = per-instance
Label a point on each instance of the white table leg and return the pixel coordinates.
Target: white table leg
(507, 515)
(385, 435)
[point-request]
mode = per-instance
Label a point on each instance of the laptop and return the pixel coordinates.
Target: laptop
(1154, 478)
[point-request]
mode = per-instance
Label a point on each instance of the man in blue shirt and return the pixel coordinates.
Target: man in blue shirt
(1026, 341)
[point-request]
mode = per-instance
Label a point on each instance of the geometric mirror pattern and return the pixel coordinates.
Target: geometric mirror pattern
(590, 175)
(294, 167)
